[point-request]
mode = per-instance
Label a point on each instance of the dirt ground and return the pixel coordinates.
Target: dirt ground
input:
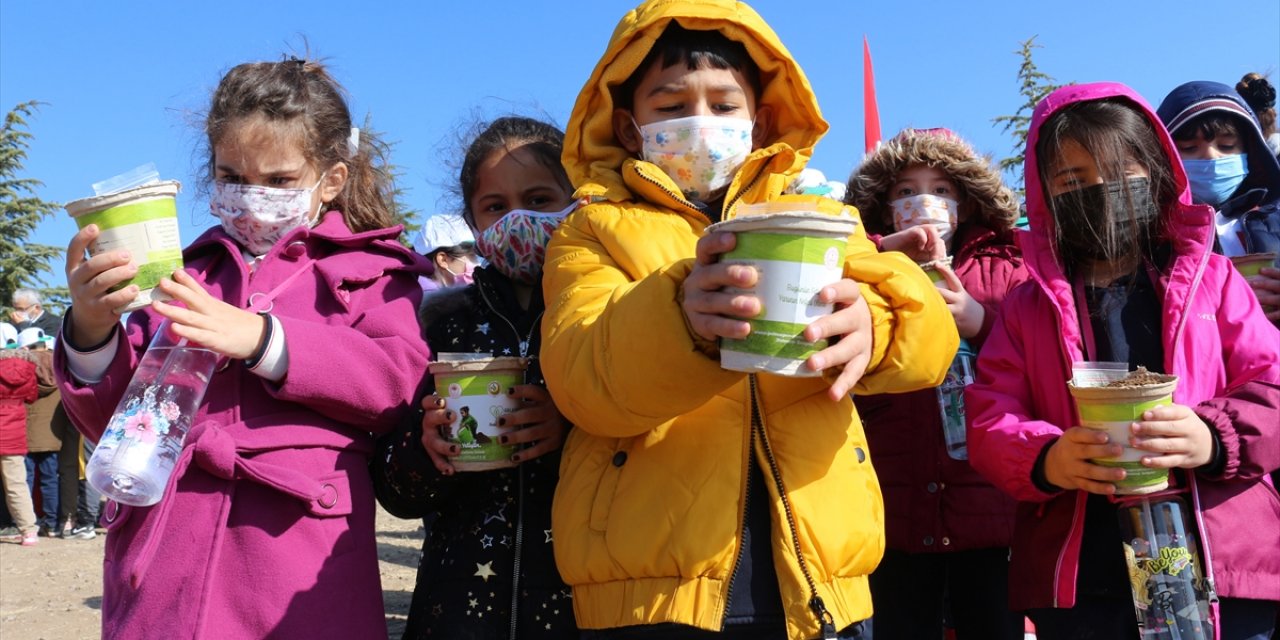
(53, 591)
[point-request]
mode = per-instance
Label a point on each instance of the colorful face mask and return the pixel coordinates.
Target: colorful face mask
(913, 211)
(1214, 181)
(1099, 222)
(258, 216)
(516, 245)
(700, 153)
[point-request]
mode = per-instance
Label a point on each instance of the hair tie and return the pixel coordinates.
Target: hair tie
(353, 143)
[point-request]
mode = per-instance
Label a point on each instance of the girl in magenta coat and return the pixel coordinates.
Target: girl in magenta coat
(266, 526)
(927, 193)
(1115, 238)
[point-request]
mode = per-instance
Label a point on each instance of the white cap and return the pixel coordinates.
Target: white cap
(31, 336)
(442, 230)
(8, 336)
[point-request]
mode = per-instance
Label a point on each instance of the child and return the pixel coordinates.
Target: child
(948, 529)
(491, 524)
(447, 242)
(266, 527)
(1114, 239)
(1231, 168)
(1261, 97)
(17, 390)
(695, 499)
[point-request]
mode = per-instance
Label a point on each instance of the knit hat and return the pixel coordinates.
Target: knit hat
(983, 193)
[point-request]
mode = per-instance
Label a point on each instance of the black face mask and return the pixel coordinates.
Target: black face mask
(1104, 221)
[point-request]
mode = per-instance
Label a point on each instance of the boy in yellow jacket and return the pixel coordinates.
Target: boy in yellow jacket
(695, 500)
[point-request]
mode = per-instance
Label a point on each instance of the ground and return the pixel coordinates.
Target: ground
(53, 591)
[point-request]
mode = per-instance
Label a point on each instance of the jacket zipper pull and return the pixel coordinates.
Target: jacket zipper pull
(824, 617)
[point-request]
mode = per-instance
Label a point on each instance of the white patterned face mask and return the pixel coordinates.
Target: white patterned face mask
(258, 216)
(913, 211)
(700, 153)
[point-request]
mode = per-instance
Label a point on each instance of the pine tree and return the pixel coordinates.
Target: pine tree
(1034, 85)
(21, 261)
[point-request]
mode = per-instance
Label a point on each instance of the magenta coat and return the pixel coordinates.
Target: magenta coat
(1216, 340)
(267, 527)
(933, 503)
(17, 390)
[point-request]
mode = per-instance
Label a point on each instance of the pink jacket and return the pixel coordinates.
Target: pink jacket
(17, 390)
(1216, 339)
(934, 504)
(266, 529)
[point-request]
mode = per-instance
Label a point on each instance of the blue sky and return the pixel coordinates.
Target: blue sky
(126, 82)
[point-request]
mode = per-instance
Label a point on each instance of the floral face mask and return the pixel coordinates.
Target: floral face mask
(913, 211)
(258, 216)
(700, 153)
(516, 245)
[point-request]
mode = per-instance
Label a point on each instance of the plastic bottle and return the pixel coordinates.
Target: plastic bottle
(1166, 570)
(951, 401)
(137, 453)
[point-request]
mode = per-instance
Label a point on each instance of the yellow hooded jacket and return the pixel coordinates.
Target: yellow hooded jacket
(648, 514)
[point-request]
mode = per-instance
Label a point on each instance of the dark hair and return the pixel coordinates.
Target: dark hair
(1261, 97)
(455, 252)
(1209, 125)
(300, 94)
(697, 49)
(1114, 132)
(508, 132)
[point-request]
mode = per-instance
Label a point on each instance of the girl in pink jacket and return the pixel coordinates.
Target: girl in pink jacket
(1123, 271)
(266, 527)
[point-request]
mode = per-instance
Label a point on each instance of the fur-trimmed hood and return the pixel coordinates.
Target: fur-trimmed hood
(986, 198)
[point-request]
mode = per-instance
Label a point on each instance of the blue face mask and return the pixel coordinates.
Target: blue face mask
(1213, 181)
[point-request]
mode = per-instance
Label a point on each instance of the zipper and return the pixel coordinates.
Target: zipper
(825, 620)
(523, 345)
(742, 524)
(519, 550)
(679, 198)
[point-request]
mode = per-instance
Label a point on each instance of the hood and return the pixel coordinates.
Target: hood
(593, 157)
(990, 202)
(16, 369)
(1189, 100)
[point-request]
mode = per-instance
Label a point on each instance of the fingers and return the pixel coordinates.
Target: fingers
(433, 401)
(952, 281)
(710, 247)
(183, 288)
(79, 246)
(432, 442)
(844, 319)
(530, 393)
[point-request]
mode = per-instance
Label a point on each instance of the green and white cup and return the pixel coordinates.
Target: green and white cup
(1251, 264)
(1113, 409)
(931, 269)
(143, 221)
(796, 250)
(475, 388)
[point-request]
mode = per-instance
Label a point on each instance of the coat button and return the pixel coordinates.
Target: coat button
(928, 540)
(946, 541)
(296, 249)
(619, 458)
(932, 487)
(862, 455)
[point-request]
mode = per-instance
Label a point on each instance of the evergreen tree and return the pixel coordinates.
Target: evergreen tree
(21, 261)
(1034, 85)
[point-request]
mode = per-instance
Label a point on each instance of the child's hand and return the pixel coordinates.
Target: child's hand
(1266, 285)
(921, 244)
(851, 323)
(710, 312)
(538, 423)
(435, 420)
(88, 281)
(1179, 437)
(1067, 463)
(967, 311)
(206, 320)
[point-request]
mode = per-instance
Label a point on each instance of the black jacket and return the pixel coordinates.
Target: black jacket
(484, 526)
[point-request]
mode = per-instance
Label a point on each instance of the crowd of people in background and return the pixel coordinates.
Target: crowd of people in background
(924, 473)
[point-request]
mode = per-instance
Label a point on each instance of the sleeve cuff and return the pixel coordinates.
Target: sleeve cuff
(273, 364)
(1038, 477)
(89, 367)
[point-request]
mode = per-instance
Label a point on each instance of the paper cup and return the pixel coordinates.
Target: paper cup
(1251, 264)
(930, 269)
(476, 392)
(1112, 409)
(143, 221)
(797, 251)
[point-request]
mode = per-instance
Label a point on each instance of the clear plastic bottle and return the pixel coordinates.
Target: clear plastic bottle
(1166, 570)
(951, 401)
(137, 453)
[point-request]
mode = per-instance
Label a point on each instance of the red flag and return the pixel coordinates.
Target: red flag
(870, 111)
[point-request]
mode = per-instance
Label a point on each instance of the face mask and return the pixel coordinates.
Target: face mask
(516, 245)
(1098, 223)
(258, 216)
(1213, 181)
(466, 277)
(700, 153)
(913, 211)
